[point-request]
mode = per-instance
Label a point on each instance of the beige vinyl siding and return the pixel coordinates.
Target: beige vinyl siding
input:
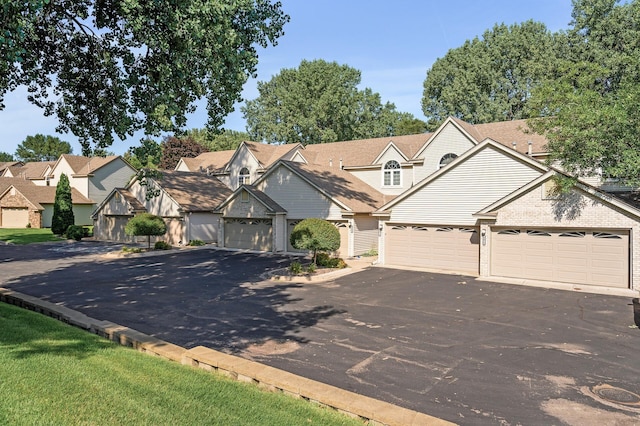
(450, 139)
(116, 205)
(465, 189)
(115, 174)
(243, 158)
(365, 235)
(81, 214)
(79, 183)
(252, 208)
(162, 205)
(297, 197)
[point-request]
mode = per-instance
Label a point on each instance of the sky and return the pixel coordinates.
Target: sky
(392, 43)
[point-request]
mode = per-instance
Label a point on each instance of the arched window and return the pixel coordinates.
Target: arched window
(391, 173)
(245, 177)
(446, 159)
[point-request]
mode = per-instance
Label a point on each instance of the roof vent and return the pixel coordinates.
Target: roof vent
(530, 149)
(513, 144)
(330, 162)
(341, 164)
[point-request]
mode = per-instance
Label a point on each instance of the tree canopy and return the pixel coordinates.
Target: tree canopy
(218, 141)
(108, 68)
(5, 156)
(318, 102)
(490, 78)
(146, 155)
(588, 107)
(42, 148)
(174, 148)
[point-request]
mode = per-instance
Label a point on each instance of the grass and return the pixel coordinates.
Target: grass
(52, 373)
(27, 235)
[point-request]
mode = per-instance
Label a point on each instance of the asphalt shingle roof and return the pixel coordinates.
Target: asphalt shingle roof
(194, 191)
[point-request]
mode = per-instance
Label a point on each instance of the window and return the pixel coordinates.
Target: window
(446, 159)
(244, 197)
(245, 177)
(391, 173)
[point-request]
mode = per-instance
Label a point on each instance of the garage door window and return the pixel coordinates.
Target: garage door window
(606, 235)
(573, 234)
(538, 233)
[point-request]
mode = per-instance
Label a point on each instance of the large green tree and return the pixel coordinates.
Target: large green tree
(63, 216)
(5, 157)
(42, 148)
(146, 155)
(588, 108)
(108, 68)
(218, 141)
(318, 102)
(174, 148)
(490, 78)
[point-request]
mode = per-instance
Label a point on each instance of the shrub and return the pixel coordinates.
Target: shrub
(195, 243)
(146, 224)
(63, 207)
(295, 268)
(126, 249)
(161, 245)
(315, 235)
(326, 261)
(74, 232)
(312, 268)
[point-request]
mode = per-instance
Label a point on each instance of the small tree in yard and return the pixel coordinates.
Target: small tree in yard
(146, 224)
(62, 207)
(315, 235)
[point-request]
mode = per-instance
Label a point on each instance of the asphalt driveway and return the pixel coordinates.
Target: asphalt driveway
(466, 351)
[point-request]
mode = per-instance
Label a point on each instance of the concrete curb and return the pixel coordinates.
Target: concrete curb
(369, 410)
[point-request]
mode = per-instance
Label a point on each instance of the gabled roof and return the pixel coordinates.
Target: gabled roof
(263, 198)
(604, 197)
(363, 151)
(508, 132)
(461, 159)
(31, 170)
(84, 166)
(214, 161)
(134, 204)
(342, 187)
(38, 195)
(6, 164)
(268, 154)
(193, 191)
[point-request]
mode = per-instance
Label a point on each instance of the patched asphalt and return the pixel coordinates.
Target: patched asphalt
(467, 351)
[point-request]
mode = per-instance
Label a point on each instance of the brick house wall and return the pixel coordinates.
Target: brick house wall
(13, 199)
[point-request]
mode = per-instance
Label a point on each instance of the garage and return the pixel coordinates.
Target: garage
(111, 228)
(448, 248)
(15, 217)
(587, 257)
(251, 234)
(203, 227)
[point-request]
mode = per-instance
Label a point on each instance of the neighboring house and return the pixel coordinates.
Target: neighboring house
(472, 199)
(35, 171)
(262, 216)
(492, 212)
(93, 177)
(242, 166)
(22, 204)
(186, 201)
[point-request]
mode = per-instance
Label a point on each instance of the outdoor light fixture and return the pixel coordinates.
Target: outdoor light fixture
(484, 237)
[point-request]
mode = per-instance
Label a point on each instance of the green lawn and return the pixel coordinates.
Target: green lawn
(27, 235)
(52, 373)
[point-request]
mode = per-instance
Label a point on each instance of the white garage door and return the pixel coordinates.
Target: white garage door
(204, 227)
(253, 234)
(15, 217)
(571, 256)
(434, 247)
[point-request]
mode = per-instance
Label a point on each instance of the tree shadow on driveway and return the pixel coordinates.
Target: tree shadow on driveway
(208, 298)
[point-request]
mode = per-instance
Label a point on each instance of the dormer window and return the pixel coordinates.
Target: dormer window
(391, 173)
(244, 177)
(446, 159)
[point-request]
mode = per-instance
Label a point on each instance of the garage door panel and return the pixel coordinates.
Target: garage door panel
(447, 248)
(15, 217)
(574, 256)
(250, 234)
